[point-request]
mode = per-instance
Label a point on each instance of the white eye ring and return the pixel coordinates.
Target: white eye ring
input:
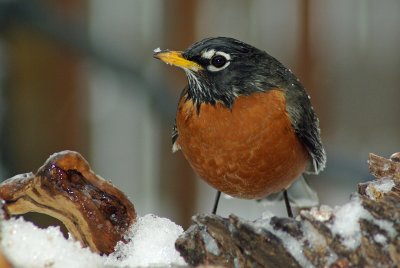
(227, 57)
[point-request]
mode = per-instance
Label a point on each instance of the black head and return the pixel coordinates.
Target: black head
(221, 69)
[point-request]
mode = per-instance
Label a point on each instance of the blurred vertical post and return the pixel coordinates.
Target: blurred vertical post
(177, 176)
(46, 94)
(306, 59)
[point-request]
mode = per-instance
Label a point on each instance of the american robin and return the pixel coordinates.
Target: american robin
(244, 121)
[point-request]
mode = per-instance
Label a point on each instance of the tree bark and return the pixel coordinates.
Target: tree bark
(320, 237)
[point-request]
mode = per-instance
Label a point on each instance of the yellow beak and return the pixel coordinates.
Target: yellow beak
(176, 58)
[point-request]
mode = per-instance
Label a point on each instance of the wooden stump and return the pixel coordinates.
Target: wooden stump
(361, 233)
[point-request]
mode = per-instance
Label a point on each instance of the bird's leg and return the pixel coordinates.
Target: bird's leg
(287, 203)
(214, 211)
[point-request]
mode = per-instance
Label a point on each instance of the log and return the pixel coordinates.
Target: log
(362, 233)
(93, 210)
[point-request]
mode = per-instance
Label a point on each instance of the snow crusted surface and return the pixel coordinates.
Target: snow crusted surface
(379, 187)
(343, 222)
(292, 245)
(346, 223)
(152, 244)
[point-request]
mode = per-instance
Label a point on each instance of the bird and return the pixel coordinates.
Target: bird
(244, 121)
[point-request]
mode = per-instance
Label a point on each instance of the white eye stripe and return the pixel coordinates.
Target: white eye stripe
(208, 54)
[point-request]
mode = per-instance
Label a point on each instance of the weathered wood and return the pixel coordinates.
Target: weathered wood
(93, 210)
(362, 233)
(381, 167)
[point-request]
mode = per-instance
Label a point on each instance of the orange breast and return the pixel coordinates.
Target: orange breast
(247, 152)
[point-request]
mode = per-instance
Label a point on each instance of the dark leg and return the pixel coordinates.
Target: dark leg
(214, 211)
(287, 203)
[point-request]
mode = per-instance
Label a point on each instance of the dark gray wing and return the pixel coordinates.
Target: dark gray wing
(306, 124)
(175, 133)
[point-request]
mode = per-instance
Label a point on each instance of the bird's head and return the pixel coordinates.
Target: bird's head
(221, 69)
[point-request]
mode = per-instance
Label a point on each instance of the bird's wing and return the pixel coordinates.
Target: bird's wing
(175, 135)
(175, 132)
(306, 125)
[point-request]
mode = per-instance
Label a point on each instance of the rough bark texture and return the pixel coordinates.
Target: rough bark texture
(313, 238)
(91, 208)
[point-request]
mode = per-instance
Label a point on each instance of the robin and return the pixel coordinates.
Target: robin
(244, 121)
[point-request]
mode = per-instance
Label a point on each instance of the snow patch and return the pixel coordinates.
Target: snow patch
(312, 235)
(378, 188)
(323, 213)
(386, 167)
(346, 223)
(292, 245)
(387, 226)
(152, 242)
(381, 239)
(317, 241)
(25, 245)
(210, 243)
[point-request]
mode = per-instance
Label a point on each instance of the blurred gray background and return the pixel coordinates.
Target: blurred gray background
(80, 75)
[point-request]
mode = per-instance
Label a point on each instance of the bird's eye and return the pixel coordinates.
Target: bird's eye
(218, 61)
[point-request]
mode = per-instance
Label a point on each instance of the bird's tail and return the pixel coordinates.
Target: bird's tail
(300, 194)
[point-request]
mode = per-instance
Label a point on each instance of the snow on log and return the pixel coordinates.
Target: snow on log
(362, 233)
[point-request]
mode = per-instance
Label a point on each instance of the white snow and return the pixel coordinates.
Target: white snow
(381, 239)
(292, 245)
(25, 245)
(323, 213)
(386, 167)
(378, 188)
(384, 225)
(152, 243)
(210, 243)
(346, 222)
(312, 235)
(317, 241)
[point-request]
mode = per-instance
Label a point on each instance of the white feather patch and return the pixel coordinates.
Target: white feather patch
(175, 147)
(208, 54)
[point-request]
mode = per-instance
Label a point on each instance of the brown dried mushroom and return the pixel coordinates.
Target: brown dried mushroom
(93, 210)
